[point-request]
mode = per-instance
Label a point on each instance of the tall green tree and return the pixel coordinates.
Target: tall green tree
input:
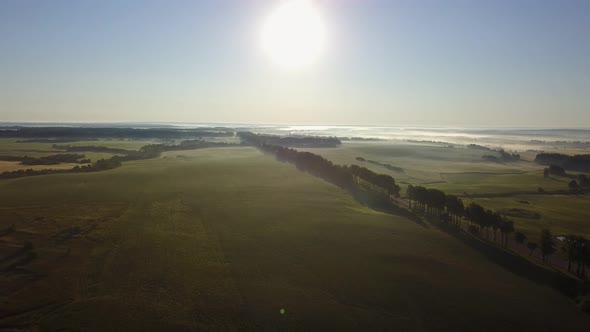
(569, 246)
(507, 228)
(546, 244)
(519, 237)
(532, 247)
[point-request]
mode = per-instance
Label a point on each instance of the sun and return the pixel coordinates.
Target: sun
(293, 35)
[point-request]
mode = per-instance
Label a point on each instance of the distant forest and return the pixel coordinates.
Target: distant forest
(291, 141)
(580, 162)
(62, 134)
(504, 157)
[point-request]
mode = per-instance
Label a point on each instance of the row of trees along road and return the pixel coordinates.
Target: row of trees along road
(431, 202)
(346, 177)
(577, 249)
(487, 220)
(450, 208)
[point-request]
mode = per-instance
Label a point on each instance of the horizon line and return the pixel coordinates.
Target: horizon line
(225, 124)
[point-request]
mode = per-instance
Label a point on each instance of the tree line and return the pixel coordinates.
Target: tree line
(577, 249)
(450, 208)
(351, 178)
(82, 133)
(89, 148)
(432, 202)
(290, 141)
(145, 152)
(504, 156)
(55, 159)
(578, 182)
(580, 162)
(386, 166)
(48, 160)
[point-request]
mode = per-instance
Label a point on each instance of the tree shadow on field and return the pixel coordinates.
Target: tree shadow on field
(379, 202)
(519, 265)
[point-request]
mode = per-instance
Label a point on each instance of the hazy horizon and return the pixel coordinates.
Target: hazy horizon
(457, 63)
(513, 139)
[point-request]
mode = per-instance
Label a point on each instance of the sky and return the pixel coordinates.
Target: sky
(501, 63)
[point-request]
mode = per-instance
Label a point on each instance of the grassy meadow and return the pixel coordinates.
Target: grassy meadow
(461, 171)
(223, 239)
(562, 214)
(10, 147)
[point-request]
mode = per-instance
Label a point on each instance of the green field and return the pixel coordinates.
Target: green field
(223, 239)
(562, 214)
(462, 172)
(429, 164)
(10, 147)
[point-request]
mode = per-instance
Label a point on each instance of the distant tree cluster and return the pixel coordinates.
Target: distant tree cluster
(576, 247)
(290, 141)
(11, 158)
(580, 163)
(387, 166)
(48, 160)
(145, 152)
(579, 185)
(567, 144)
(54, 159)
(508, 157)
(478, 147)
(554, 170)
(30, 172)
(576, 185)
(53, 140)
(80, 133)
(504, 157)
(90, 148)
(105, 164)
(490, 158)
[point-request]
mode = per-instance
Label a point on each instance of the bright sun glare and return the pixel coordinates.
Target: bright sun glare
(293, 35)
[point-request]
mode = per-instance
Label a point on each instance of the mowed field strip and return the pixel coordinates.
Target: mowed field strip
(223, 239)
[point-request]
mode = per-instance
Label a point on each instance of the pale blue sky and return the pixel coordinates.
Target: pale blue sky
(414, 62)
